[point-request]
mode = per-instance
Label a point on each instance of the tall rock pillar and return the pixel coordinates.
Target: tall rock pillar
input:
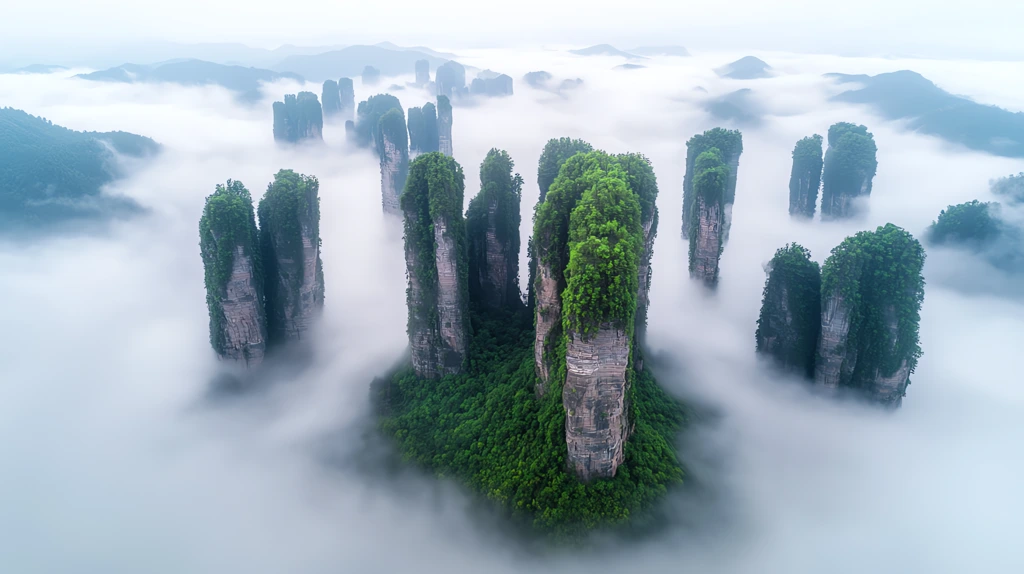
(730, 146)
(849, 169)
(394, 159)
(234, 284)
(805, 179)
(435, 254)
(492, 225)
(289, 216)
(444, 125)
(787, 329)
(347, 98)
(707, 217)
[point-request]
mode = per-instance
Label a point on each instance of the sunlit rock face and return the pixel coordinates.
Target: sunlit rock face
(392, 178)
(596, 426)
(706, 245)
(548, 314)
(244, 329)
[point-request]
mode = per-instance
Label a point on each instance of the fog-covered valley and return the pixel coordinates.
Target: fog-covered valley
(117, 460)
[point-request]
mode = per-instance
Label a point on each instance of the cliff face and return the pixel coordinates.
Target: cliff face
(422, 72)
(805, 178)
(244, 329)
(836, 358)
(435, 248)
(290, 239)
(347, 97)
(787, 328)
(548, 314)
(444, 126)
(888, 388)
(849, 168)
(643, 291)
(390, 175)
(730, 146)
(706, 245)
(492, 226)
(330, 97)
(596, 425)
(298, 118)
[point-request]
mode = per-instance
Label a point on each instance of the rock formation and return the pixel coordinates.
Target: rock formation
(331, 98)
(850, 166)
(598, 319)
(234, 284)
(730, 145)
(450, 79)
(787, 330)
(423, 137)
(367, 125)
(641, 179)
(707, 216)
(370, 76)
(422, 72)
(555, 153)
(436, 263)
(805, 179)
(500, 85)
(298, 118)
(394, 159)
(872, 289)
(492, 227)
(289, 216)
(444, 125)
(347, 95)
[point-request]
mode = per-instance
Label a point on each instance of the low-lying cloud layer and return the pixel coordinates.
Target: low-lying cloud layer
(114, 461)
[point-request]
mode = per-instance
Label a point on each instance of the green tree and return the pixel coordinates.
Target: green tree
(555, 153)
(787, 329)
(502, 192)
(849, 168)
(805, 178)
(974, 224)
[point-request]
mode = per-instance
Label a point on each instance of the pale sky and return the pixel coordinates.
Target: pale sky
(977, 29)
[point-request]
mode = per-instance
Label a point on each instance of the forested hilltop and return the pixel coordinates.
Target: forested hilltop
(51, 174)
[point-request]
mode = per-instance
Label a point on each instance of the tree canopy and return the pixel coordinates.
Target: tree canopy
(805, 178)
(367, 124)
(973, 224)
(555, 153)
(790, 319)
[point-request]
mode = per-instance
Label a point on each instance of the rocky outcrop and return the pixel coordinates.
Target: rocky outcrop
(836, 358)
(450, 79)
(298, 117)
(706, 242)
(331, 98)
(492, 224)
(444, 125)
(787, 328)
(290, 242)
(422, 72)
(730, 146)
(423, 136)
(596, 424)
(435, 248)
(394, 160)
(370, 76)
(548, 317)
(849, 168)
(805, 178)
(367, 125)
(497, 86)
(234, 289)
(347, 96)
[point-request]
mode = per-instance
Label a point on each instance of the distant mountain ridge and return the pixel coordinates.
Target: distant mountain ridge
(746, 68)
(931, 110)
(605, 50)
(677, 51)
(51, 174)
(351, 61)
(245, 81)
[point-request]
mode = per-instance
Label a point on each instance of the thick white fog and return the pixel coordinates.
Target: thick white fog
(116, 461)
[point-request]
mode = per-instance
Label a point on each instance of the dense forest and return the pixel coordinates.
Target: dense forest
(51, 174)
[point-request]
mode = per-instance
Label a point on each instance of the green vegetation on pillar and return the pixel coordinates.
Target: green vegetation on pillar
(492, 225)
(367, 123)
(298, 117)
(556, 151)
(871, 290)
(436, 265)
(971, 224)
(416, 129)
(849, 168)
(787, 329)
(423, 129)
(289, 217)
(707, 216)
(232, 263)
(393, 150)
(730, 145)
(805, 179)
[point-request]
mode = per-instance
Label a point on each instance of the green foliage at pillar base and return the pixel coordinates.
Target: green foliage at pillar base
(488, 430)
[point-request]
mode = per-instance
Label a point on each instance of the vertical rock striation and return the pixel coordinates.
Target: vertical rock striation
(492, 227)
(707, 216)
(298, 117)
(394, 159)
(787, 329)
(435, 250)
(289, 216)
(849, 168)
(730, 145)
(444, 126)
(641, 179)
(599, 310)
(233, 271)
(805, 179)
(872, 289)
